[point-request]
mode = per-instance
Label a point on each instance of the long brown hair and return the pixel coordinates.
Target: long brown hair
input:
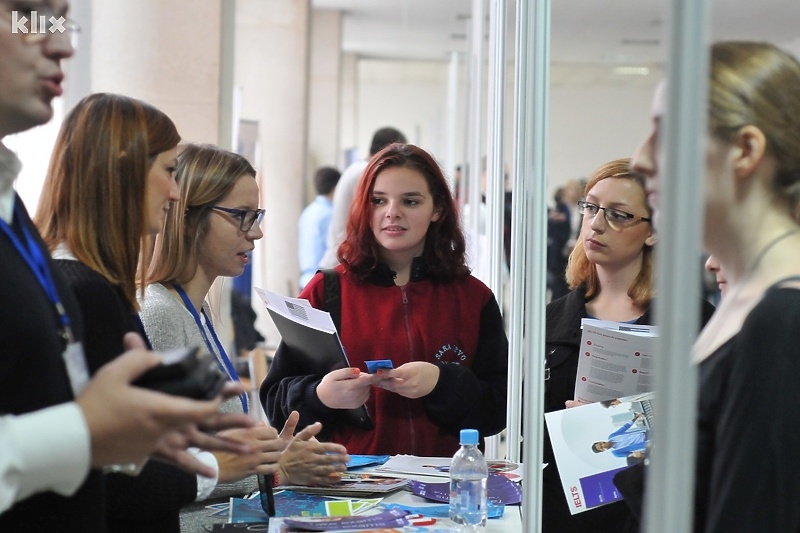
(581, 271)
(94, 195)
(205, 175)
(444, 252)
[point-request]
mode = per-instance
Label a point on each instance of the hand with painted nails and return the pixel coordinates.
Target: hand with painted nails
(345, 388)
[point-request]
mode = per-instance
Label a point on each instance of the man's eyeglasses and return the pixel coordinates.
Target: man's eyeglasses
(36, 21)
(247, 217)
(616, 218)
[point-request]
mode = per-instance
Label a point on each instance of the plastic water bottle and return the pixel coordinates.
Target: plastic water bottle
(468, 474)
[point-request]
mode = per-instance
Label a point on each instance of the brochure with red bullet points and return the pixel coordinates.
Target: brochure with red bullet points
(615, 360)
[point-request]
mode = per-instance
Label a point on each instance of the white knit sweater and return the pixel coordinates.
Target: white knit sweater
(169, 325)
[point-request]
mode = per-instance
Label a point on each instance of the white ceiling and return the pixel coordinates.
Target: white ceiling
(583, 32)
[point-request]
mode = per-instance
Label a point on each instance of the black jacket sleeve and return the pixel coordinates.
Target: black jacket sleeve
(287, 389)
(475, 396)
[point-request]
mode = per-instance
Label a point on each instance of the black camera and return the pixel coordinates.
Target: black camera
(185, 372)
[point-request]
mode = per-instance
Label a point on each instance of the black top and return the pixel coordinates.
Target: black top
(748, 441)
(151, 501)
(33, 376)
(562, 340)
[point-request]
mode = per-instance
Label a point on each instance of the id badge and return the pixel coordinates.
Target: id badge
(76, 367)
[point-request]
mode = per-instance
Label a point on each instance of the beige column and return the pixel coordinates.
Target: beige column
(272, 69)
(324, 90)
(166, 53)
(348, 132)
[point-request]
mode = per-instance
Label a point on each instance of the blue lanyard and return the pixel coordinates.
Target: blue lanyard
(231, 371)
(37, 262)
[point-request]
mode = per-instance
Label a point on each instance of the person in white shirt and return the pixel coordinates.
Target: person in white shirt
(57, 425)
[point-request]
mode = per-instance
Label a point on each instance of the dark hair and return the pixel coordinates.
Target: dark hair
(558, 196)
(444, 252)
(98, 173)
(325, 179)
(383, 138)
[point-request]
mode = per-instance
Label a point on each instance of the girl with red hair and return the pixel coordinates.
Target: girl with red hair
(406, 295)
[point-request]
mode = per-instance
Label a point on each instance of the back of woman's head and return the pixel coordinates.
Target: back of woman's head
(205, 174)
(581, 271)
(758, 84)
(93, 199)
(444, 252)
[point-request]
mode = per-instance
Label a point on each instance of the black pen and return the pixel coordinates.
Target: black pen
(265, 482)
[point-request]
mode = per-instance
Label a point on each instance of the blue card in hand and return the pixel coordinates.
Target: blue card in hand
(378, 364)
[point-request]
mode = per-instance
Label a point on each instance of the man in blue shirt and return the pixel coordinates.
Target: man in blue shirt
(312, 228)
(629, 438)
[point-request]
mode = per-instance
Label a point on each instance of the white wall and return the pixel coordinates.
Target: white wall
(407, 95)
(595, 115)
(590, 125)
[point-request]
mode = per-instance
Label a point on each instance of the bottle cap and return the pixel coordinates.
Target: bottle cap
(469, 436)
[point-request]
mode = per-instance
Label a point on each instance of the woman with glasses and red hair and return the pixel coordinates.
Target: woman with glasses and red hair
(406, 295)
(610, 272)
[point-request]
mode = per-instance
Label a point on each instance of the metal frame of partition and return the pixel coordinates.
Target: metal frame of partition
(671, 478)
(495, 165)
(535, 23)
(669, 500)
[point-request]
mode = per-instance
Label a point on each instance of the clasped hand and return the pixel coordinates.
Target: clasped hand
(348, 388)
(300, 459)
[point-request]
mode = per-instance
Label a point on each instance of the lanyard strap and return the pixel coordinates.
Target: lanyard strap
(37, 261)
(228, 365)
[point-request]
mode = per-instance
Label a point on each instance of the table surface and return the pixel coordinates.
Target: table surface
(510, 522)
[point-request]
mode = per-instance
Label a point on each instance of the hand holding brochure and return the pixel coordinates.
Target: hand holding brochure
(615, 359)
(619, 431)
(312, 337)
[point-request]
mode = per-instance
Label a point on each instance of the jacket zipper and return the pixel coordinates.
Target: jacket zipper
(404, 294)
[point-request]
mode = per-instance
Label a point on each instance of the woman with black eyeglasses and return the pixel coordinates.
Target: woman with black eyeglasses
(209, 234)
(610, 272)
(108, 190)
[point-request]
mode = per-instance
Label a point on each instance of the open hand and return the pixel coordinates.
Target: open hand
(306, 461)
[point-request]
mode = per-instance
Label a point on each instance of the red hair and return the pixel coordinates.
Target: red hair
(444, 252)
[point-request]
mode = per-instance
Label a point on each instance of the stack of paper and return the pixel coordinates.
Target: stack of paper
(312, 337)
(615, 360)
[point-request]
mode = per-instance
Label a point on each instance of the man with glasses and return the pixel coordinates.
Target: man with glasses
(57, 426)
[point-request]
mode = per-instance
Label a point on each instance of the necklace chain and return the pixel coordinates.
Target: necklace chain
(771, 244)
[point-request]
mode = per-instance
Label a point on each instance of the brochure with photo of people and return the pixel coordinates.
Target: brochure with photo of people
(593, 442)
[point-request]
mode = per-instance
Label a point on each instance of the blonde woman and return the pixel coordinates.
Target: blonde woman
(209, 233)
(748, 441)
